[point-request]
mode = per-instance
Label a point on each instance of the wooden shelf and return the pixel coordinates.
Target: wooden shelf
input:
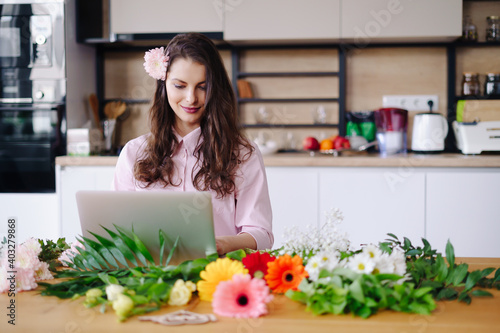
(477, 98)
(287, 74)
(128, 101)
(460, 43)
(283, 100)
(289, 125)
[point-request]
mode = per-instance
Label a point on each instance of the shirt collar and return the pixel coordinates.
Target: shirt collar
(190, 140)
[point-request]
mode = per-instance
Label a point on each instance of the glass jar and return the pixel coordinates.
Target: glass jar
(469, 31)
(493, 29)
(492, 84)
(470, 84)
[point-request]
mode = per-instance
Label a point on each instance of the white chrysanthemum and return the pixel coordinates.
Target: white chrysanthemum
(27, 257)
(361, 263)
(33, 244)
(398, 261)
(383, 264)
(372, 251)
(43, 273)
(329, 259)
(313, 268)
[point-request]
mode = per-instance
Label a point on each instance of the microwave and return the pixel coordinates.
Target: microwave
(32, 47)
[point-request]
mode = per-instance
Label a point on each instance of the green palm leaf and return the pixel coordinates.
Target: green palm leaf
(94, 249)
(136, 245)
(171, 252)
(123, 248)
(110, 252)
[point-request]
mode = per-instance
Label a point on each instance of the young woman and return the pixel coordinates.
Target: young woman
(195, 144)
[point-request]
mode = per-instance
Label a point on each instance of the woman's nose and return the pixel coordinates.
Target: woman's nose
(191, 96)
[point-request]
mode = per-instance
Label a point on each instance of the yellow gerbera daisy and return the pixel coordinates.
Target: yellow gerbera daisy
(215, 272)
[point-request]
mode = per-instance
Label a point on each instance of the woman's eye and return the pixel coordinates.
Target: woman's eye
(178, 86)
(203, 87)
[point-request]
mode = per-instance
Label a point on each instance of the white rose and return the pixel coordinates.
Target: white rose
(91, 297)
(122, 305)
(191, 286)
(94, 292)
(113, 290)
(180, 293)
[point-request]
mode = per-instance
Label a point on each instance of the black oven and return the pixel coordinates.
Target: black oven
(30, 138)
(32, 94)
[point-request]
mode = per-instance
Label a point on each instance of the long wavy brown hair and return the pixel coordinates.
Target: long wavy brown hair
(222, 146)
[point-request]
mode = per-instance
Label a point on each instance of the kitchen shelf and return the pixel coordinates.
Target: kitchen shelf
(341, 74)
(128, 101)
(477, 98)
(460, 43)
(284, 100)
(290, 125)
(287, 74)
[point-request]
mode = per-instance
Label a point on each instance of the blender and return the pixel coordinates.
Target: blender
(392, 126)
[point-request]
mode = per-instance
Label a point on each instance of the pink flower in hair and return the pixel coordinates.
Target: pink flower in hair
(156, 63)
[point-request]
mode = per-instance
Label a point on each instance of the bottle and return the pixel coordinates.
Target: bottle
(492, 84)
(493, 29)
(470, 84)
(469, 31)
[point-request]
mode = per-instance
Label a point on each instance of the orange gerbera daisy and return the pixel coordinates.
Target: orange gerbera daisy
(285, 273)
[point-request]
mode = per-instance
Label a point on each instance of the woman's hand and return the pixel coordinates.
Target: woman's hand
(227, 244)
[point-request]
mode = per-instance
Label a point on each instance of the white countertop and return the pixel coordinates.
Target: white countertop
(304, 159)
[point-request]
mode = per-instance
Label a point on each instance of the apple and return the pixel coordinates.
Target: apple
(310, 143)
(341, 142)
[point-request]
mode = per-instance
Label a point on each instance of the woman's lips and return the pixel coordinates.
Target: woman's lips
(189, 110)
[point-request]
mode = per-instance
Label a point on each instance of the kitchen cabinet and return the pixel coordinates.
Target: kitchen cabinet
(36, 215)
(463, 206)
(71, 179)
(460, 204)
(294, 200)
(150, 19)
(375, 202)
(365, 21)
(281, 20)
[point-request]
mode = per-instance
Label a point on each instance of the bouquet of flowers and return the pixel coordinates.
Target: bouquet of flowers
(316, 268)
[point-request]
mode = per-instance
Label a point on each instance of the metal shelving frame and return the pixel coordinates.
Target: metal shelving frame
(343, 50)
(237, 74)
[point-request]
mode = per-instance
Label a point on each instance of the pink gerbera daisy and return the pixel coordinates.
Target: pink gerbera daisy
(241, 297)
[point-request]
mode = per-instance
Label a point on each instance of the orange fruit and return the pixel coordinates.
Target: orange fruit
(326, 144)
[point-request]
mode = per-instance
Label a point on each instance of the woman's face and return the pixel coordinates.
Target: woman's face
(186, 91)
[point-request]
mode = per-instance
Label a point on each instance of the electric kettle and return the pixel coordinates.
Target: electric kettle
(429, 132)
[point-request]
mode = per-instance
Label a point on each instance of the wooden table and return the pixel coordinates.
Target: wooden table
(36, 313)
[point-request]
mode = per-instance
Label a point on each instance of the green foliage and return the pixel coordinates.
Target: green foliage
(51, 251)
(116, 260)
(430, 277)
(446, 279)
(124, 249)
(237, 255)
(344, 291)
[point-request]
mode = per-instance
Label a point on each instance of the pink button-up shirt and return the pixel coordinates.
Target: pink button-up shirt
(246, 210)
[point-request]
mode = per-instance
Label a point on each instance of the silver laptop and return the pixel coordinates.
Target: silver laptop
(187, 215)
